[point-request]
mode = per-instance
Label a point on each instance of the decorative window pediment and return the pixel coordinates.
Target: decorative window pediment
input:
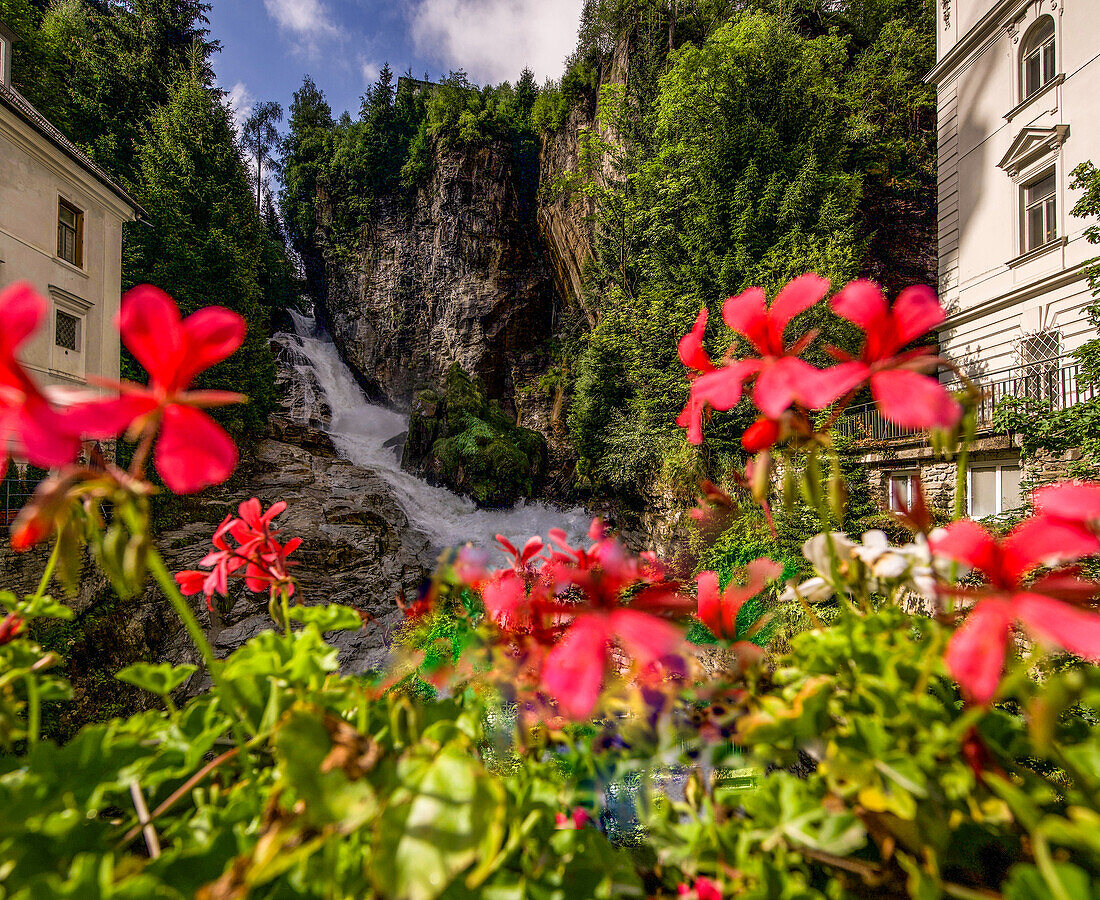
(1032, 144)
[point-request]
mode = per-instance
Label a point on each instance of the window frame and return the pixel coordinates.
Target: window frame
(78, 331)
(66, 363)
(910, 476)
(1049, 205)
(1042, 49)
(998, 465)
(76, 230)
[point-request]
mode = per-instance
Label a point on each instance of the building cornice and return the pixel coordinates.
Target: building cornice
(986, 26)
(1025, 292)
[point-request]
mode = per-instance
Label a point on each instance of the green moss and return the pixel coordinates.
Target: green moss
(475, 447)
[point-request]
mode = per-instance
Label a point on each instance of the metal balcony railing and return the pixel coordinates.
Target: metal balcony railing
(1059, 382)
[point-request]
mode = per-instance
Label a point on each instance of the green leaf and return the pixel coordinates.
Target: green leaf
(333, 617)
(33, 607)
(1027, 882)
(448, 814)
(157, 678)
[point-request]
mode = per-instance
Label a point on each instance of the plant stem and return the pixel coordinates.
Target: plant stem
(183, 610)
(51, 565)
(34, 712)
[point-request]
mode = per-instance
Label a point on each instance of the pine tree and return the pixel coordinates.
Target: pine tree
(205, 244)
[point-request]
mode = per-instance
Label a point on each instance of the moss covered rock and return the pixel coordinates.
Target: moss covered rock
(460, 439)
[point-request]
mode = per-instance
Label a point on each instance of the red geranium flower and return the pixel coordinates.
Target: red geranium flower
(573, 671)
(718, 609)
(29, 426)
(901, 389)
(781, 378)
(257, 552)
(1045, 609)
(192, 451)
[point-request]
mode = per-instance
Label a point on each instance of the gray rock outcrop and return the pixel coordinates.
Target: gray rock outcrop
(456, 274)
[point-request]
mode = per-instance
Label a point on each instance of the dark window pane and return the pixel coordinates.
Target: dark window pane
(67, 334)
(1031, 77)
(1035, 227)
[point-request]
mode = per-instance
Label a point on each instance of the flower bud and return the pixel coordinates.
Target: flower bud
(760, 435)
(10, 628)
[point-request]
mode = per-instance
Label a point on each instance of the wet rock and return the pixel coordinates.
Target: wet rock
(457, 274)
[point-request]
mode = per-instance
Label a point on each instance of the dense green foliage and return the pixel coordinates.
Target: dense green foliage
(743, 148)
(466, 441)
(132, 84)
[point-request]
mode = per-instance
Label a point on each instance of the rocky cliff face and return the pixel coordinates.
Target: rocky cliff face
(457, 275)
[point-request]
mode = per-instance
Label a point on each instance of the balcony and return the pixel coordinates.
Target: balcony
(1059, 382)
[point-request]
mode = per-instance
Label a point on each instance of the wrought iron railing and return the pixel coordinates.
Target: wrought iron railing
(1059, 382)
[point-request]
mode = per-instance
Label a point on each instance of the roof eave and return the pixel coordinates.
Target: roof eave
(76, 156)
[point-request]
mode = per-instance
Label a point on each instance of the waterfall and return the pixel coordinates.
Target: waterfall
(363, 433)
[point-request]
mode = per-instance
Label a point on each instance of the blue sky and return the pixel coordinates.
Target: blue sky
(268, 45)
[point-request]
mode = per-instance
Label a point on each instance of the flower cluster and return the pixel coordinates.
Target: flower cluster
(568, 611)
(785, 387)
(1051, 608)
(48, 426)
(256, 555)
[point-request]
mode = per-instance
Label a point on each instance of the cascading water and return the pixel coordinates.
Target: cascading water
(363, 433)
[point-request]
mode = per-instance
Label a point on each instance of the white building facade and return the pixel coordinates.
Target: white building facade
(1019, 110)
(1018, 85)
(61, 219)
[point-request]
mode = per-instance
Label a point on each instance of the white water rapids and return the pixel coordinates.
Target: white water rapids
(360, 429)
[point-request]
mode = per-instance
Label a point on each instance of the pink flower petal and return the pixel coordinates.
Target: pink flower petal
(645, 637)
(747, 314)
(968, 542)
(976, 653)
(149, 322)
(193, 451)
(782, 382)
(916, 311)
(1077, 630)
(796, 297)
(1075, 501)
(1045, 542)
(829, 385)
(913, 400)
(710, 609)
(722, 389)
(691, 349)
(862, 303)
(210, 335)
(110, 417)
(573, 670)
(22, 310)
(45, 437)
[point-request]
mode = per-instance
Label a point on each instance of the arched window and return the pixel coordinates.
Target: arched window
(1038, 57)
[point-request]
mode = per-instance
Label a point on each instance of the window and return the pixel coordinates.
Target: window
(1039, 365)
(1040, 211)
(70, 233)
(994, 488)
(67, 332)
(5, 60)
(1038, 56)
(902, 486)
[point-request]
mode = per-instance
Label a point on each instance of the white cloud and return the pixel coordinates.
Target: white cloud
(307, 20)
(240, 104)
(494, 39)
(370, 70)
